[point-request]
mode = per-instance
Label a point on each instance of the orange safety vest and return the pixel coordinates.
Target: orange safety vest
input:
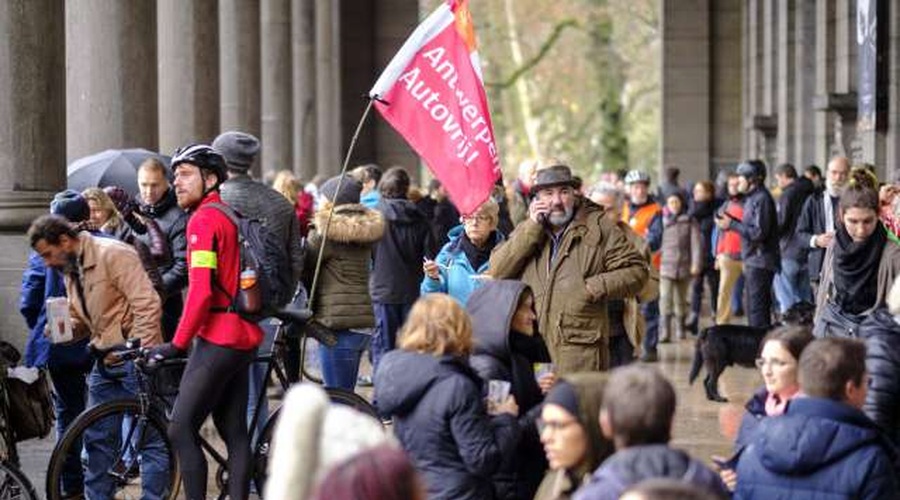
(640, 222)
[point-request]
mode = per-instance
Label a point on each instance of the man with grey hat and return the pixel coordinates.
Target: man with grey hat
(575, 260)
(255, 200)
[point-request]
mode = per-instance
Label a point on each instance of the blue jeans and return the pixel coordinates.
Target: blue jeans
(650, 312)
(792, 285)
(69, 365)
(388, 319)
(340, 364)
(103, 440)
(258, 380)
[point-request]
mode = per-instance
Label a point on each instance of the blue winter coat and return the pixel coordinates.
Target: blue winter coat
(38, 284)
(441, 422)
(818, 449)
(632, 465)
(882, 335)
(455, 270)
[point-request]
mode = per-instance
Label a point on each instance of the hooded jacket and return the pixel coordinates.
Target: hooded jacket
(397, 270)
(342, 298)
(456, 272)
(882, 335)
(818, 449)
(495, 358)
(637, 463)
(759, 230)
(441, 422)
(594, 262)
(561, 484)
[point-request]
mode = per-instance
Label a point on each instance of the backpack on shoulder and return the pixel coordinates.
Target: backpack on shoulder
(264, 282)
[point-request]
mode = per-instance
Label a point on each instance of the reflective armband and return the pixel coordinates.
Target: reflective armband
(204, 258)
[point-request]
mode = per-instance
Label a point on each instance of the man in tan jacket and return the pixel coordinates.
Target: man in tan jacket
(575, 260)
(111, 299)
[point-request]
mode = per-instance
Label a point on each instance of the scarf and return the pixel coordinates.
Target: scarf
(702, 209)
(478, 256)
(776, 404)
(856, 269)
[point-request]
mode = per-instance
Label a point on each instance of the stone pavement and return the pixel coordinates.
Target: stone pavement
(697, 428)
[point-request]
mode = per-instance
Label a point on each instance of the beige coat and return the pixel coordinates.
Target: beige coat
(121, 301)
(594, 262)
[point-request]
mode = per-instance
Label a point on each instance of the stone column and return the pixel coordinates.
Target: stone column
(32, 136)
(804, 83)
(824, 118)
(845, 67)
(755, 144)
(892, 139)
(395, 21)
(786, 82)
(239, 68)
(328, 89)
(188, 46)
(726, 84)
(277, 123)
(767, 121)
(685, 87)
(111, 98)
(303, 56)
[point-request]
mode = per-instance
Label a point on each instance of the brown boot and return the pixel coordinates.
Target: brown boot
(665, 329)
(679, 327)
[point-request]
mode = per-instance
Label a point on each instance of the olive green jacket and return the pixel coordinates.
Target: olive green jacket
(594, 262)
(342, 297)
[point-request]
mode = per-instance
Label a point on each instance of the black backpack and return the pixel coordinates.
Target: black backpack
(260, 253)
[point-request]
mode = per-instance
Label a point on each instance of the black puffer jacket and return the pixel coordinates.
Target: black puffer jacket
(256, 200)
(882, 336)
(172, 221)
(790, 205)
(397, 270)
(441, 422)
(501, 354)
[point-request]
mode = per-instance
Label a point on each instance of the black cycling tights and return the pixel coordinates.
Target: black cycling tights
(214, 381)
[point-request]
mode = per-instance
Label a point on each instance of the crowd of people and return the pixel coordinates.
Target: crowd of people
(504, 343)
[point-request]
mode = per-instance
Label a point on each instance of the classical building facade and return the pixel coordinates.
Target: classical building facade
(79, 77)
(783, 80)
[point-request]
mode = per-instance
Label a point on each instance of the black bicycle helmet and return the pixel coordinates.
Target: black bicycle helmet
(202, 156)
(752, 170)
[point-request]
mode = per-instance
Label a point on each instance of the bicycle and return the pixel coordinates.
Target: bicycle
(14, 485)
(145, 420)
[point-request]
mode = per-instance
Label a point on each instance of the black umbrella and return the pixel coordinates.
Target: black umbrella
(113, 167)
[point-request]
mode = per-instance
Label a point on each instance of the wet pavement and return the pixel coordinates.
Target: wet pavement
(697, 422)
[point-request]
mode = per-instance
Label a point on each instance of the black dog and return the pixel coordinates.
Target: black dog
(721, 346)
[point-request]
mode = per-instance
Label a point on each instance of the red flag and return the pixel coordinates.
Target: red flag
(432, 93)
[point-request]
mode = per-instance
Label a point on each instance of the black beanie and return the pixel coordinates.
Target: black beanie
(71, 205)
(563, 394)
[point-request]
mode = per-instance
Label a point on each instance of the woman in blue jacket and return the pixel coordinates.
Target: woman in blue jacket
(458, 266)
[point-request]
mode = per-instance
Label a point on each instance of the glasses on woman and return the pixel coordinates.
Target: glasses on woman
(775, 363)
(553, 425)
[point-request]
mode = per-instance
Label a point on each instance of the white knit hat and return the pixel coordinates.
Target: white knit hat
(313, 435)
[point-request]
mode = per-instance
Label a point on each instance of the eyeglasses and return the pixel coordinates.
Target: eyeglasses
(472, 219)
(776, 364)
(553, 425)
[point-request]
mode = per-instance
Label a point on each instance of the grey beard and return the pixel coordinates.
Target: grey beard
(560, 220)
(834, 191)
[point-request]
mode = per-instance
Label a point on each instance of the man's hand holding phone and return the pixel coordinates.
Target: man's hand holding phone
(539, 211)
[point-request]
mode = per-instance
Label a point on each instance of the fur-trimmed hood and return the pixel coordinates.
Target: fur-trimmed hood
(351, 223)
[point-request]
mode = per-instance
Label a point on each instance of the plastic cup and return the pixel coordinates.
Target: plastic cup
(58, 320)
(541, 369)
(498, 391)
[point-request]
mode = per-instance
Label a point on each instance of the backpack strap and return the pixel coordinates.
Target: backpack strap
(232, 215)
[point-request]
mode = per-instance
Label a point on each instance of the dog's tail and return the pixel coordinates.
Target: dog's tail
(698, 358)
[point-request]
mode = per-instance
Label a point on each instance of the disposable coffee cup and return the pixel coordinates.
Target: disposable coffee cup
(498, 391)
(59, 321)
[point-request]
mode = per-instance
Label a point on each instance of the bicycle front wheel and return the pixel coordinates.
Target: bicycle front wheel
(14, 485)
(114, 450)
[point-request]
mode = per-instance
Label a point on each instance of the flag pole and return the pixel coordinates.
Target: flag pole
(315, 281)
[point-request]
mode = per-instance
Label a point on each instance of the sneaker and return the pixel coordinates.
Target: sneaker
(364, 381)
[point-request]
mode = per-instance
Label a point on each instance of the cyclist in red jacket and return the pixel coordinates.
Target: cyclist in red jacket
(216, 378)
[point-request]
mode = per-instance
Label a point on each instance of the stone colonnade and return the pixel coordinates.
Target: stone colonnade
(80, 77)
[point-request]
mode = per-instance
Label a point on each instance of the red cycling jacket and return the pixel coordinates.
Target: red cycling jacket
(212, 250)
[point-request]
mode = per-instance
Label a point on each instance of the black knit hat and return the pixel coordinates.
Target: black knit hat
(563, 394)
(350, 190)
(71, 205)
